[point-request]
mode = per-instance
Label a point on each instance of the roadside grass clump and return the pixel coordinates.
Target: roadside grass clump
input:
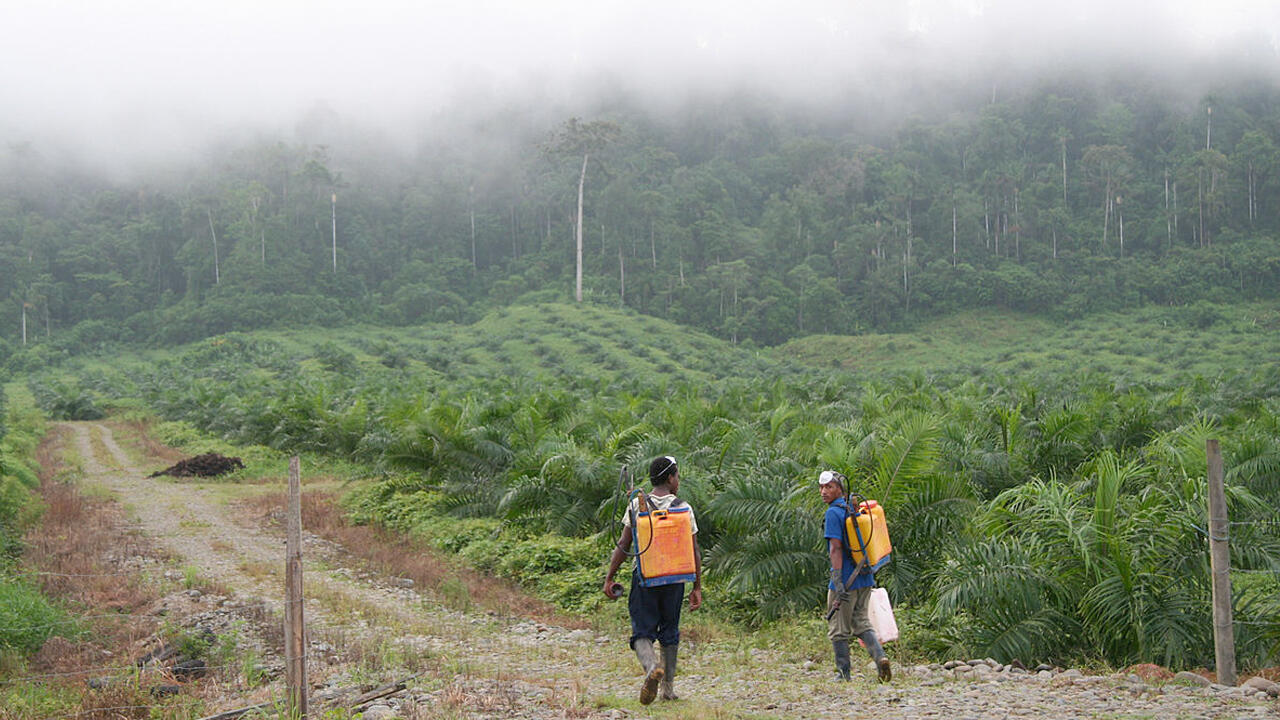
(455, 594)
(28, 618)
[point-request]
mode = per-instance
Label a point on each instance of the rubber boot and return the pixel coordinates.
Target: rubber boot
(883, 669)
(669, 674)
(652, 670)
(841, 648)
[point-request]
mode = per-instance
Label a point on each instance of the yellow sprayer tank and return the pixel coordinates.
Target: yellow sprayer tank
(665, 542)
(868, 529)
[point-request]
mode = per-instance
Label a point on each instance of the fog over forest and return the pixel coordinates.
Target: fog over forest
(145, 81)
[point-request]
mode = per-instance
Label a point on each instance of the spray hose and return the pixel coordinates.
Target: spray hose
(623, 479)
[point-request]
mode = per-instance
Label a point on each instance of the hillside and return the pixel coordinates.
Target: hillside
(547, 341)
(1153, 344)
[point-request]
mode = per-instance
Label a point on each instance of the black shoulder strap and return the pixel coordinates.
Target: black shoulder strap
(863, 564)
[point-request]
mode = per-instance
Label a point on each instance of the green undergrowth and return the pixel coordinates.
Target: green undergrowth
(27, 618)
(564, 571)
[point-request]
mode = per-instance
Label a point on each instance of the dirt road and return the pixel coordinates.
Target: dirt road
(489, 666)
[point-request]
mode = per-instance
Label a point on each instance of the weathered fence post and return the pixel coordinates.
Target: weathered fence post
(1224, 642)
(295, 635)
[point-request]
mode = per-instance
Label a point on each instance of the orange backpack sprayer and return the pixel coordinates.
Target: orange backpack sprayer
(868, 532)
(663, 539)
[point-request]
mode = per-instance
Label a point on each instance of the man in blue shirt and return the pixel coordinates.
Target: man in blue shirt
(847, 593)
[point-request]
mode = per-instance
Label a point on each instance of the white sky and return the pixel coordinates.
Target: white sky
(166, 73)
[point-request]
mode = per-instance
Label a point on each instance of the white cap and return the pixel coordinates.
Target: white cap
(830, 476)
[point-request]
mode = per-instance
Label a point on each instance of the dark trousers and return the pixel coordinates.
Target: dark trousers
(655, 612)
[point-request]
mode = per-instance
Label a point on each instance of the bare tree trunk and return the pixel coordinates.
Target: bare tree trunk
(1168, 221)
(1251, 196)
(1175, 211)
(622, 277)
(217, 277)
(471, 211)
(986, 222)
(24, 323)
(906, 286)
(1106, 214)
(1120, 217)
(1208, 128)
(681, 272)
(1017, 229)
(1055, 243)
(1200, 197)
(262, 231)
(333, 222)
(953, 234)
(582, 182)
(653, 248)
(1064, 172)
(999, 219)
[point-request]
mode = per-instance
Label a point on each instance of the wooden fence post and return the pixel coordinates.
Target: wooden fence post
(1224, 642)
(295, 635)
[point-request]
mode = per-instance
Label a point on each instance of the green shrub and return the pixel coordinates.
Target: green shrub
(27, 619)
(177, 433)
(62, 400)
(20, 472)
(454, 535)
(536, 557)
(483, 554)
(576, 590)
(334, 358)
(32, 700)
(15, 502)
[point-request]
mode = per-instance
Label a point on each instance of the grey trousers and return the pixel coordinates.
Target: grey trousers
(851, 619)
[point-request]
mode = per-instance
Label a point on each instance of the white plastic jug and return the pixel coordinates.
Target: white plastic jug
(881, 616)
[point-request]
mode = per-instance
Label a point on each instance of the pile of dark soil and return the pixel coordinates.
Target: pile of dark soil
(207, 465)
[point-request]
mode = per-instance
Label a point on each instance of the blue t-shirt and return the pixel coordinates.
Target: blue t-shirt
(833, 527)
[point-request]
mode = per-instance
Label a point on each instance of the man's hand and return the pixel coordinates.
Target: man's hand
(695, 598)
(612, 589)
(836, 601)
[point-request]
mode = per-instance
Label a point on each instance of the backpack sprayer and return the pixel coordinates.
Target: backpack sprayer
(864, 521)
(663, 538)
